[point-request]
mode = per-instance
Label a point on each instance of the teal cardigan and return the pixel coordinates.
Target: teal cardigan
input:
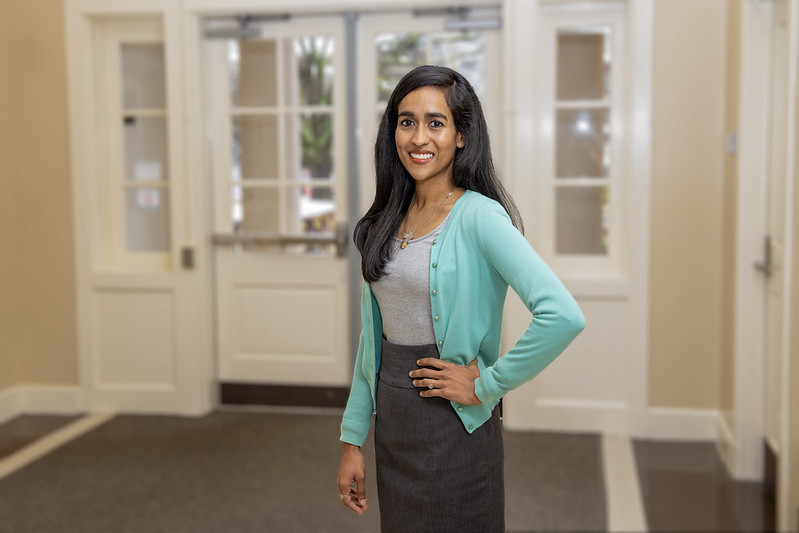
(478, 254)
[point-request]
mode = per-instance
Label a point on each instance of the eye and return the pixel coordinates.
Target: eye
(436, 124)
(406, 122)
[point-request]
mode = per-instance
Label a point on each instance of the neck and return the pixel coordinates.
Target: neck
(431, 193)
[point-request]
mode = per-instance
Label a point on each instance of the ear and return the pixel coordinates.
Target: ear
(459, 140)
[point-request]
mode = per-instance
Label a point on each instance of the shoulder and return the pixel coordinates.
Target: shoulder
(479, 211)
(477, 206)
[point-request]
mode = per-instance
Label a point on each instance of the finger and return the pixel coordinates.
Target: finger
(431, 393)
(360, 494)
(433, 362)
(351, 501)
(348, 495)
(426, 373)
(425, 382)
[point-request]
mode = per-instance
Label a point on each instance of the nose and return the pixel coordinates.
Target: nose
(419, 137)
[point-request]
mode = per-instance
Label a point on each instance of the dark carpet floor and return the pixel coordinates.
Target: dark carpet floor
(263, 472)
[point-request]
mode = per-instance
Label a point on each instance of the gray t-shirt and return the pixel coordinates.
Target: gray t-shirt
(403, 293)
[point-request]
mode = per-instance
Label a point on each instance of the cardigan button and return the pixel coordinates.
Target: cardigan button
(471, 427)
(434, 241)
(435, 292)
(460, 409)
(435, 264)
(441, 343)
(435, 318)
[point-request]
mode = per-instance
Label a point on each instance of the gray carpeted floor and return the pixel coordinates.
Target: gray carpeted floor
(264, 472)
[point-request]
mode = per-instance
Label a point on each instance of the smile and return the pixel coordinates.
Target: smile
(421, 156)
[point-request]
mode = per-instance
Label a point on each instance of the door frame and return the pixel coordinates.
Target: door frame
(745, 451)
(181, 390)
(633, 416)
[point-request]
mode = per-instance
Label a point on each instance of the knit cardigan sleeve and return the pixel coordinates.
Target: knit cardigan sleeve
(556, 317)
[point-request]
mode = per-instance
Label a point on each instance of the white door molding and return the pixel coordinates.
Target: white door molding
(745, 459)
(138, 321)
(614, 299)
(745, 452)
(783, 475)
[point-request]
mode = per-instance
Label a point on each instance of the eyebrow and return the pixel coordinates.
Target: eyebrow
(427, 115)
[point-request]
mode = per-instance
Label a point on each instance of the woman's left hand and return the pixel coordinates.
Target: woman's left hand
(450, 381)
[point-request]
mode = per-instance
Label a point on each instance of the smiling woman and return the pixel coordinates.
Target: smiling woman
(433, 346)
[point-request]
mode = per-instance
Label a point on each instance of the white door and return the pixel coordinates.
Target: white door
(570, 129)
(279, 176)
(772, 264)
(139, 291)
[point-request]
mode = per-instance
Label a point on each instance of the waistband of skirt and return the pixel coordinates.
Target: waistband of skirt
(408, 351)
(397, 360)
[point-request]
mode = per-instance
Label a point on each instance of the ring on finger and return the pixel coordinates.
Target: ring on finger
(431, 383)
(344, 495)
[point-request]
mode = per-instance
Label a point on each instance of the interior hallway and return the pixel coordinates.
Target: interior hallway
(271, 470)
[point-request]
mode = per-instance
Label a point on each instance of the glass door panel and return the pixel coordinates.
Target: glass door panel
(582, 214)
(310, 81)
(583, 66)
(252, 66)
(147, 220)
(314, 145)
(145, 148)
(283, 123)
(144, 184)
(583, 141)
(255, 147)
(143, 84)
(257, 210)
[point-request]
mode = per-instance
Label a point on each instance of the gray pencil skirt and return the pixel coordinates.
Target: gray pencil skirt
(432, 475)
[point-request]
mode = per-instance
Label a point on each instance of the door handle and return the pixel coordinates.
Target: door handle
(340, 239)
(765, 265)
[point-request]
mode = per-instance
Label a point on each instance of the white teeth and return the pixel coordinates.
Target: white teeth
(421, 156)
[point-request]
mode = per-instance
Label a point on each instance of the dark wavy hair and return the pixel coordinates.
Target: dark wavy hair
(473, 167)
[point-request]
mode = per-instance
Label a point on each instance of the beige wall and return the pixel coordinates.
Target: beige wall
(730, 200)
(686, 205)
(36, 240)
(7, 258)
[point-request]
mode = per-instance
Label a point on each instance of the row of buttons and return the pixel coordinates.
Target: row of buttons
(435, 264)
(441, 343)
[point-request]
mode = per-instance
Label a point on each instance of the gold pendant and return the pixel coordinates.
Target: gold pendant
(403, 244)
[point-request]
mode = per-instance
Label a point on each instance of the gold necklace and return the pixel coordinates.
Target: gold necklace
(408, 235)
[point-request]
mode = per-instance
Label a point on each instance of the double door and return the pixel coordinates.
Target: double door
(286, 189)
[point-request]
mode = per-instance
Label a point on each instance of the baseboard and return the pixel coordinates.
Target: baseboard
(655, 423)
(569, 416)
(282, 395)
(725, 444)
(682, 424)
(9, 404)
(40, 399)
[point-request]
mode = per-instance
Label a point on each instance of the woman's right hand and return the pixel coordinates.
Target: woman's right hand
(351, 477)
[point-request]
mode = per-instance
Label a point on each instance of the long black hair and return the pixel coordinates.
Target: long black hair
(473, 167)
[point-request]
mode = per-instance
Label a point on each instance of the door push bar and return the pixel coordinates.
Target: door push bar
(339, 239)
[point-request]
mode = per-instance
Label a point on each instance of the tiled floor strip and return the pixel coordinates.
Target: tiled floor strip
(625, 505)
(45, 445)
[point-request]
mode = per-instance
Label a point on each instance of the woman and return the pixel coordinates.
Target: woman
(439, 247)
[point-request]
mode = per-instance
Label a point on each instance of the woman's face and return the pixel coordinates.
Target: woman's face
(426, 137)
